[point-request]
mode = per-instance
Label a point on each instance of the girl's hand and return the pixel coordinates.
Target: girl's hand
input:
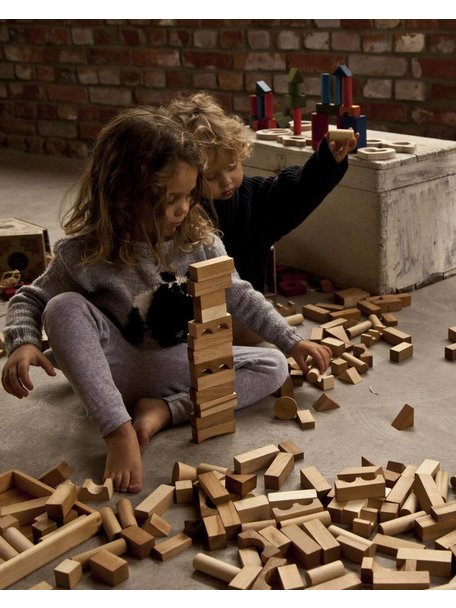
(15, 376)
(321, 355)
(340, 149)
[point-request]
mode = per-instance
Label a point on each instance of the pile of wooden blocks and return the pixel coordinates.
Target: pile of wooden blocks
(210, 349)
(319, 536)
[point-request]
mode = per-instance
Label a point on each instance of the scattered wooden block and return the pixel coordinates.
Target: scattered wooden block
(312, 479)
(315, 313)
(91, 491)
(436, 562)
(216, 535)
(405, 419)
(57, 475)
(291, 448)
(254, 460)
(324, 403)
(389, 319)
(111, 524)
(394, 579)
(157, 526)
(139, 541)
(395, 336)
(450, 352)
(68, 574)
(158, 502)
(117, 547)
(215, 567)
(285, 408)
(109, 568)
(278, 471)
(351, 376)
(241, 484)
(214, 489)
(305, 419)
(61, 500)
(401, 352)
(351, 296)
(246, 577)
(289, 577)
(338, 366)
(172, 546)
(125, 513)
(183, 491)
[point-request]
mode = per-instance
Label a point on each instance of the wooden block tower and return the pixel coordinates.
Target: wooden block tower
(295, 100)
(210, 350)
(341, 106)
(261, 108)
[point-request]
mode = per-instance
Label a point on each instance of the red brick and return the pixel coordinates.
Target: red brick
(65, 75)
(46, 111)
(56, 128)
(59, 36)
(314, 63)
(178, 79)
(88, 113)
(105, 36)
(72, 55)
(77, 149)
(178, 38)
(447, 24)
(202, 59)
(17, 125)
(111, 56)
(25, 72)
(437, 68)
(422, 24)
(26, 91)
(60, 92)
(113, 96)
(356, 24)
(442, 91)
(151, 96)
(204, 80)
(88, 130)
(231, 81)
(36, 35)
(130, 37)
(442, 43)
(23, 53)
(45, 73)
(67, 111)
(205, 39)
(130, 77)
(154, 78)
(156, 36)
(232, 39)
(109, 76)
(6, 71)
(437, 117)
(384, 111)
(26, 110)
(345, 41)
(377, 43)
(265, 61)
(157, 58)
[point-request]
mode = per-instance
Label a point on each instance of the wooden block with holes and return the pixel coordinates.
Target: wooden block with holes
(278, 471)
(284, 500)
(109, 568)
(325, 403)
(360, 488)
(68, 574)
(90, 491)
(405, 418)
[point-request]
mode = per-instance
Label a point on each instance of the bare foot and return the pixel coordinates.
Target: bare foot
(150, 416)
(123, 461)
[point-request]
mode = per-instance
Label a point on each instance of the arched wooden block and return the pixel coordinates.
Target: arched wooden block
(90, 491)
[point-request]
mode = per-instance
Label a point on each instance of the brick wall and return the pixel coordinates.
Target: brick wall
(60, 80)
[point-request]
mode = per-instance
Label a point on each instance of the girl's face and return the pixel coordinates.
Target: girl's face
(179, 190)
(222, 176)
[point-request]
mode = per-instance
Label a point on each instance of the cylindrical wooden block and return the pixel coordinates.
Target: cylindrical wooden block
(126, 513)
(324, 573)
(215, 567)
(110, 523)
(359, 328)
(205, 467)
(312, 375)
(400, 524)
(285, 408)
(7, 551)
(410, 505)
(183, 471)
(297, 116)
(118, 547)
(296, 319)
(376, 323)
(441, 481)
(17, 540)
(360, 366)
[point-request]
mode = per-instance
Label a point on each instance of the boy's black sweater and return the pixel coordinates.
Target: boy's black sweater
(264, 209)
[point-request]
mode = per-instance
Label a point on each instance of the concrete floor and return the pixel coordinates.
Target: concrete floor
(50, 425)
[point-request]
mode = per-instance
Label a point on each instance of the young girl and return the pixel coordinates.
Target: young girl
(254, 212)
(113, 299)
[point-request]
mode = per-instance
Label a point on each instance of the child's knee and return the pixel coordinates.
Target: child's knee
(61, 304)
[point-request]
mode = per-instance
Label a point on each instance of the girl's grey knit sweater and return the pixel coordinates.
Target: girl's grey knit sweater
(128, 295)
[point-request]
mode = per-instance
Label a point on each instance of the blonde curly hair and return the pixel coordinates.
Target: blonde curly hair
(215, 131)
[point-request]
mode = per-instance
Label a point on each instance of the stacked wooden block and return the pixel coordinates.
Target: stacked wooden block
(210, 349)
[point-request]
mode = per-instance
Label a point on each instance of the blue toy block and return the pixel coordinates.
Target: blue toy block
(260, 103)
(337, 90)
(325, 88)
(358, 124)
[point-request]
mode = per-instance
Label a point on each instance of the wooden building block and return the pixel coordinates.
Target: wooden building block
(68, 574)
(351, 296)
(363, 527)
(264, 580)
(290, 577)
(315, 313)
(215, 532)
(351, 314)
(322, 574)
(311, 478)
(117, 547)
(285, 408)
(360, 488)
(367, 307)
(208, 269)
(215, 567)
(214, 489)
(359, 365)
(229, 518)
(325, 382)
(305, 419)
(91, 491)
(354, 550)
(249, 556)
(405, 418)
(172, 546)
(337, 346)
(61, 500)
(181, 471)
(284, 500)
(444, 512)
(199, 288)
(42, 586)
(139, 541)
(428, 467)
(223, 428)
(287, 388)
(389, 319)
(111, 524)
(395, 336)
(156, 525)
(109, 568)
(241, 484)
(330, 547)
(56, 475)
(158, 502)
(427, 492)
(254, 508)
(394, 579)
(303, 548)
(126, 513)
(7, 551)
(183, 491)
(291, 448)
(254, 460)
(338, 366)
(17, 539)
(401, 352)
(427, 528)
(275, 537)
(348, 581)
(450, 352)
(359, 328)
(400, 525)
(390, 545)
(350, 375)
(316, 334)
(26, 511)
(325, 403)
(7, 521)
(436, 562)
(298, 511)
(246, 577)
(278, 471)
(401, 490)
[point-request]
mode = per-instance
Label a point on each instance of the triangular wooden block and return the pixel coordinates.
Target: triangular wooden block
(350, 375)
(338, 332)
(241, 484)
(324, 403)
(405, 418)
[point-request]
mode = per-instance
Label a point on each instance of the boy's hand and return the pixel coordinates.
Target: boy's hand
(340, 149)
(15, 376)
(321, 355)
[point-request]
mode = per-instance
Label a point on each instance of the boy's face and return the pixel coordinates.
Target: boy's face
(222, 176)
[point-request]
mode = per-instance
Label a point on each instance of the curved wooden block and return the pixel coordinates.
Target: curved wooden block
(90, 491)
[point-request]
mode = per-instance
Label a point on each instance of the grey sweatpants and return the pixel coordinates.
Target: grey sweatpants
(109, 374)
